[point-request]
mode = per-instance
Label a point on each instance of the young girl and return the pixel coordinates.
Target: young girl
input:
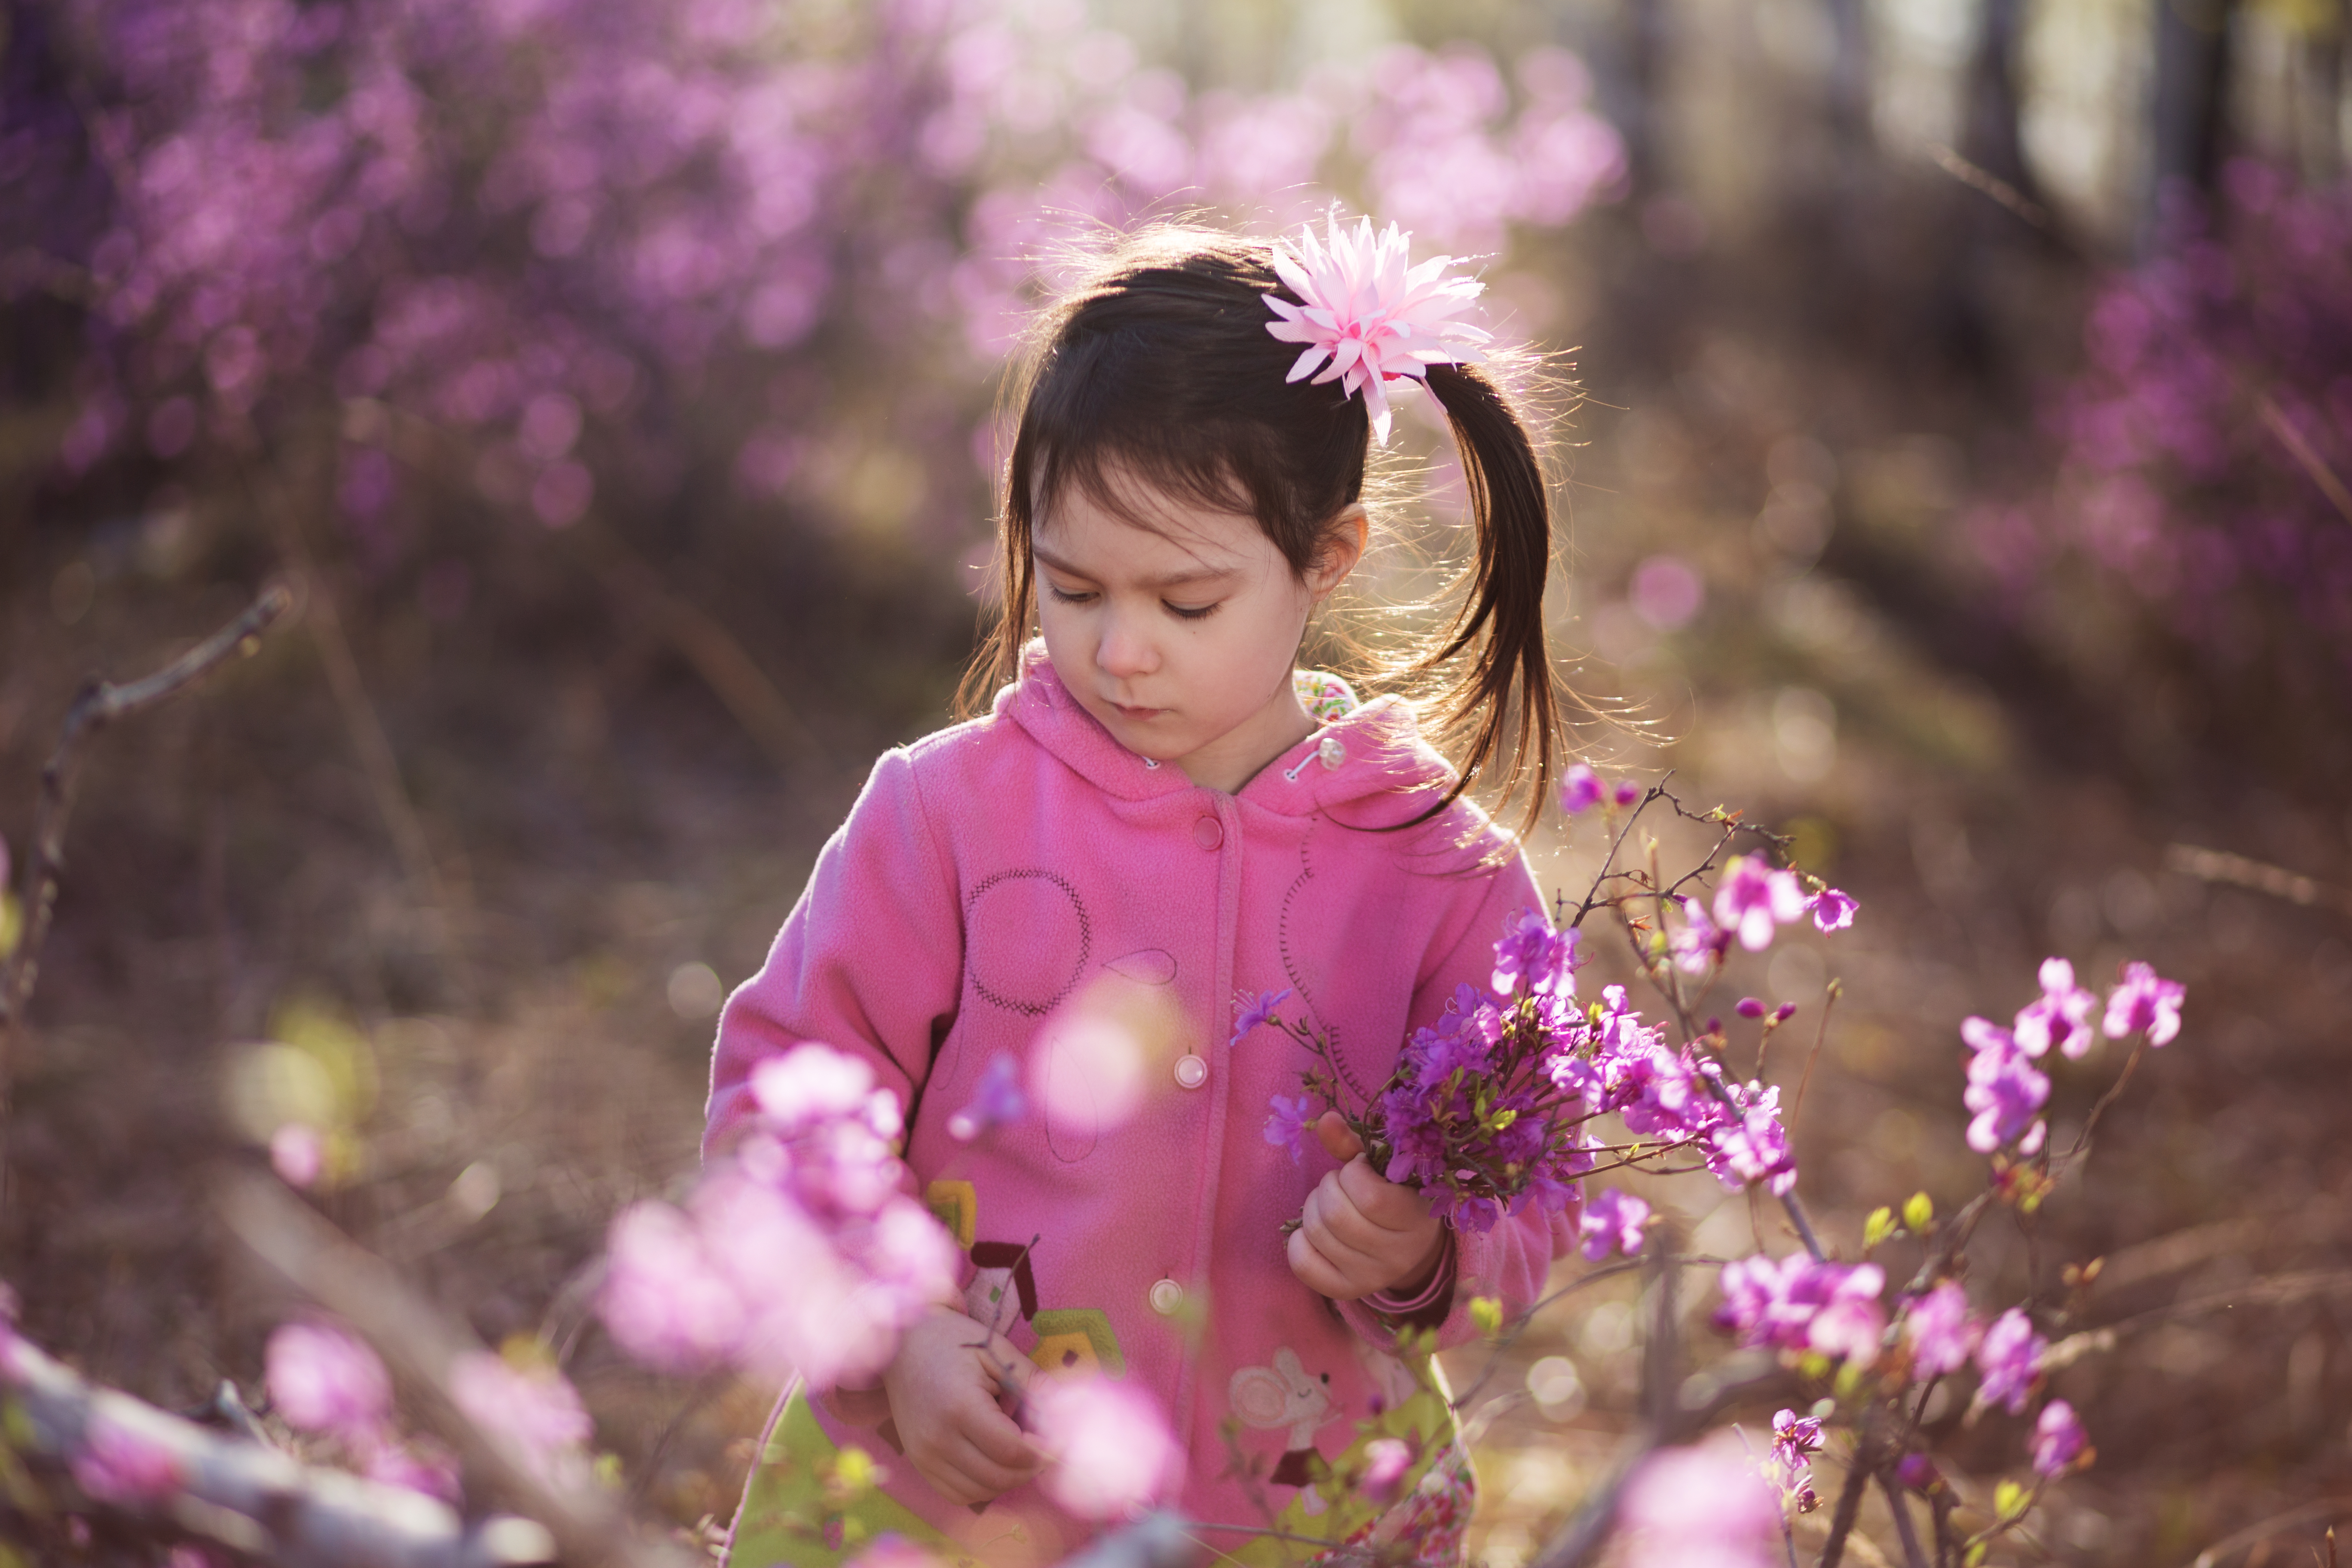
(1158, 819)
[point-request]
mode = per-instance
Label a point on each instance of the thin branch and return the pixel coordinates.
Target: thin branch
(1903, 1529)
(102, 703)
(256, 1498)
(2330, 1509)
(2313, 463)
(2220, 866)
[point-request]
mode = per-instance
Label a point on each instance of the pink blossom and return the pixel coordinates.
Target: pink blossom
(1111, 1446)
(323, 1380)
(1832, 909)
(115, 1464)
(1614, 1221)
(2060, 1016)
(1580, 790)
(1624, 792)
(1795, 1440)
(419, 1465)
(1849, 1327)
(1366, 315)
(663, 1300)
(2008, 1358)
(2004, 1089)
(1387, 1462)
(2144, 1000)
(537, 1412)
(1703, 1507)
(2058, 1437)
(1699, 946)
(1942, 1334)
(1753, 898)
(297, 1154)
(995, 1100)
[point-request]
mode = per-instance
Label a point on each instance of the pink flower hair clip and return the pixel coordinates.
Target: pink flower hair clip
(1370, 314)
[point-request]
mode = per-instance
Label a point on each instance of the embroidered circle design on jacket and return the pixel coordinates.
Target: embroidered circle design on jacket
(1027, 939)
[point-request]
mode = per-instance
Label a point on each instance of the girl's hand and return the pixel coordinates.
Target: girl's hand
(950, 1387)
(1358, 1233)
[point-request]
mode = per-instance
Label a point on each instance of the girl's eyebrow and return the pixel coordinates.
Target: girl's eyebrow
(1166, 580)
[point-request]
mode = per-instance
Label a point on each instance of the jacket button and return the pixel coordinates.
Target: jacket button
(1166, 1296)
(1207, 834)
(1191, 1070)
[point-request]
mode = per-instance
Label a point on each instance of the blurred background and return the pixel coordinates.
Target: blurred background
(1954, 432)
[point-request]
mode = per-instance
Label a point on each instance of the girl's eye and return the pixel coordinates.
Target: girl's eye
(1063, 597)
(1189, 613)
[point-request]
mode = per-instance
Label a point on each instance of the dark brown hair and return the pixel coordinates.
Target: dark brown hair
(1158, 366)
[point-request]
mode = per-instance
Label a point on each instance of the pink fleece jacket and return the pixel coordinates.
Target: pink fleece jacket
(998, 877)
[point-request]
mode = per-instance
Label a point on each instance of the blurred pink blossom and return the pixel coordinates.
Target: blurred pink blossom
(537, 1412)
(1703, 1507)
(115, 1464)
(323, 1380)
(1112, 1450)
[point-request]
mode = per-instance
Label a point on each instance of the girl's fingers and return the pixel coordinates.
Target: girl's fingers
(1314, 1271)
(1320, 1224)
(1332, 1131)
(1388, 1204)
(997, 1442)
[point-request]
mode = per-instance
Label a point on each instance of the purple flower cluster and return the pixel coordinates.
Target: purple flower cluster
(530, 224)
(2198, 442)
(1795, 1440)
(2007, 1091)
(1797, 1304)
(801, 1252)
(1581, 789)
(1486, 1110)
(1751, 903)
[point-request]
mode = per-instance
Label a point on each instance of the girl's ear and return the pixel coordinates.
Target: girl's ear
(1343, 544)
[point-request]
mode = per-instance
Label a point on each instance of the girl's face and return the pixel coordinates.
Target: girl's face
(1180, 637)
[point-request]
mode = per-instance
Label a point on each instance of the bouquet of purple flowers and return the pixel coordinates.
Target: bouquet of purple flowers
(1490, 1107)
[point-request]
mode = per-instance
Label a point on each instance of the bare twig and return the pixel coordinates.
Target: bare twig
(757, 703)
(1984, 180)
(371, 743)
(2220, 866)
(256, 1498)
(101, 704)
(2313, 463)
(424, 1344)
(1904, 1530)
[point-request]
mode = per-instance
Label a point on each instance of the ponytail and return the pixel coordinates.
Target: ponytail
(1504, 695)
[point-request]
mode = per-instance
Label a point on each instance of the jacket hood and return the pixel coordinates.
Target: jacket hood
(1373, 750)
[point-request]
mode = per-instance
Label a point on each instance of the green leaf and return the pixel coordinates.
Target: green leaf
(1919, 1213)
(2008, 1501)
(1504, 1119)
(1486, 1315)
(1976, 1556)
(1878, 1227)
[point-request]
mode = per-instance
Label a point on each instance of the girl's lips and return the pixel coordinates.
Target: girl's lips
(1137, 715)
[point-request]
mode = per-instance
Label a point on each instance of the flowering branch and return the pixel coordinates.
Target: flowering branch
(429, 1347)
(130, 1457)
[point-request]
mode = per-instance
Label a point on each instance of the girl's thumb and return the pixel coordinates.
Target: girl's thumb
(1331, 1131)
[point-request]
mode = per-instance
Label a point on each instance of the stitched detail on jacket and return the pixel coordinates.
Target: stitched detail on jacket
(1051, 926)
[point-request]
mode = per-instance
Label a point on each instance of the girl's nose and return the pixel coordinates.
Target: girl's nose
(1124, 651)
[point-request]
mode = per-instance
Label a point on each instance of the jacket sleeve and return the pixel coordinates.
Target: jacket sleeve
(1512, 1261)
(869, 962)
